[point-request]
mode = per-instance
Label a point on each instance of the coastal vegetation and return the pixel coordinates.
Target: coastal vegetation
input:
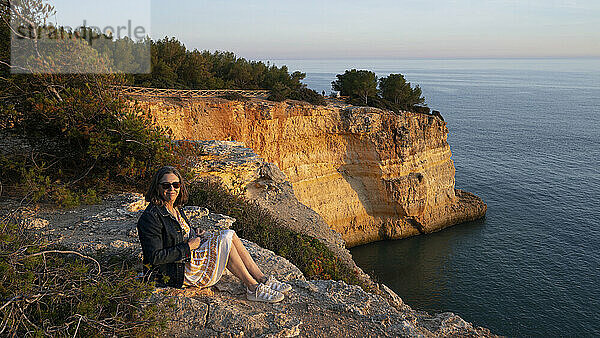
(50, 291)
(356, 83)
(395, 89)
(174, 66)
(394, 93)
(164, 63)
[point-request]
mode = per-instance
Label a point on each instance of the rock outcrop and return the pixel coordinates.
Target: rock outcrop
(370, 173)
(312, 308)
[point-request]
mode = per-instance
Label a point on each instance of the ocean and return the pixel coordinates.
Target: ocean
(525, 137)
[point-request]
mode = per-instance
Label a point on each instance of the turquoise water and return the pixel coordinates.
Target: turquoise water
(525, 136)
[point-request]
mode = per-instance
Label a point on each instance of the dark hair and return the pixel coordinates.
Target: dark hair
(154, 196)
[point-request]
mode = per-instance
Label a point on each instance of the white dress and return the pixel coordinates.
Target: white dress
(209, 260)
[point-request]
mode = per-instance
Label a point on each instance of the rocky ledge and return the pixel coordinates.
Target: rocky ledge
(312, 308)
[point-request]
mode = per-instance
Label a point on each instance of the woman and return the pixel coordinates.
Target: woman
(175, 255)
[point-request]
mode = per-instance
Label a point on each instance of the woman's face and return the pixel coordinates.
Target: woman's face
(168, 194)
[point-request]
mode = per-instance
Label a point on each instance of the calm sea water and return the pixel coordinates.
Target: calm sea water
(525, 136)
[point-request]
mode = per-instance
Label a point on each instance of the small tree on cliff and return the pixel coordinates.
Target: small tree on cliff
(361, 83)
(394, 88)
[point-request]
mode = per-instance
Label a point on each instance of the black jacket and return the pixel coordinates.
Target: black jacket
(165, 253)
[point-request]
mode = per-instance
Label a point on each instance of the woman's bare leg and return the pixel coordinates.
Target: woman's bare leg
(248, 261)
(236, 265)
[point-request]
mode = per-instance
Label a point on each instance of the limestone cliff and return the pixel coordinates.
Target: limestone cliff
(370, 173)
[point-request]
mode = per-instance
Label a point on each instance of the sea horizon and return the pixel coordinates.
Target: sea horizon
(433, 58)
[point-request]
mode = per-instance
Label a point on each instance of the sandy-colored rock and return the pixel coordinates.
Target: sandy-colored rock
(370, 173)
(186, 314)
(317, 308)
(34, 223)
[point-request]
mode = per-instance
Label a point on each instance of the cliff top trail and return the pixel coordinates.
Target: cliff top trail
(370, 173)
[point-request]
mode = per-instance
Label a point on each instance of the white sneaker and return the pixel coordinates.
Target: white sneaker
(264, 293)
(276, 285)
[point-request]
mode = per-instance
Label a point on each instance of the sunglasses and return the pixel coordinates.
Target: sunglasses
(167, 185)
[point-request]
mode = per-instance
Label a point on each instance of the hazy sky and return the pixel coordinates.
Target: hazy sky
(373, 29)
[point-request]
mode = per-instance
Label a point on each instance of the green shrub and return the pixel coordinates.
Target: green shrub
(81, 141)
(308, 95)
(61, 294)
(174, 66)
(395, 89)
(311, 256)
(279, 93)
(356, 83)
(75, 138)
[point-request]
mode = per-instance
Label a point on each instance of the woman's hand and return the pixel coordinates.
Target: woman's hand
(194, 243)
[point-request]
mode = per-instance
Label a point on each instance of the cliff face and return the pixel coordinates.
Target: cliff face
(371, 174)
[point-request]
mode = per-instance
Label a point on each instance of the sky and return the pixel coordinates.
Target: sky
(310, 29)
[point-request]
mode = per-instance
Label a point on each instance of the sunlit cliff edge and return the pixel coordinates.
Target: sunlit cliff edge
(371, 174)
